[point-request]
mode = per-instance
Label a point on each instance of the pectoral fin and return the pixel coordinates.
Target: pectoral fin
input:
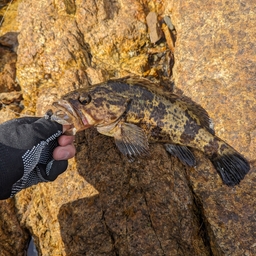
(131, 140)
(182, 152)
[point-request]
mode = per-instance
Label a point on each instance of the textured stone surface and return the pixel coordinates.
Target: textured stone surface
(216, 66)
(10, 91)
(104, 205)
(144, 208)
(8, 63)
(221, 65)
(8, 11)
(38, 208)
(13, 238)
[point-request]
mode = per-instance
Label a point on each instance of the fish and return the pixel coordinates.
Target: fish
(136, 112)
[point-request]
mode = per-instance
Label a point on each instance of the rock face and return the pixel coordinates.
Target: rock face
(10, 91)
(219, 73)
(103, 205)
(13, 238)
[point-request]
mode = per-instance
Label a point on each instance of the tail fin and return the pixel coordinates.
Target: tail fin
(231, 166)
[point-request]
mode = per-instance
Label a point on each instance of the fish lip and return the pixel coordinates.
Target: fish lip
(65, 106)
(71, 109)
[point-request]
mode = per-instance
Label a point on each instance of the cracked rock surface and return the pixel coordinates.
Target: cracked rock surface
(104, 205)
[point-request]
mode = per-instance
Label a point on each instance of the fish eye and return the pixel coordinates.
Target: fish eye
(84, 100)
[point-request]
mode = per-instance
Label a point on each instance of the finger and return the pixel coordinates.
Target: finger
(64, 152)
(64, 140)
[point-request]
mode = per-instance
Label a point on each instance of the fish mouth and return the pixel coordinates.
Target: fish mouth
(67, 113)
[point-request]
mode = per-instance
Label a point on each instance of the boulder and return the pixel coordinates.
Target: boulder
(13, 238)
(215, 66)
(104, 205)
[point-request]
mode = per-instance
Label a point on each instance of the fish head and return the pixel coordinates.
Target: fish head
(91, 107)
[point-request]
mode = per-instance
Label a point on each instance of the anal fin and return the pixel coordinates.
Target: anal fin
(182, 152)
(131, 140)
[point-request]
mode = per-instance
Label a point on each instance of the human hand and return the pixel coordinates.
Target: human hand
(66, 148)
(29, 153)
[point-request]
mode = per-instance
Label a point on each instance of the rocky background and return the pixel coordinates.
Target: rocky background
(103, 205)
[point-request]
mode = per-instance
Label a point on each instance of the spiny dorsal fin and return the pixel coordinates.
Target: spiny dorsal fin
(145, 83)
(199, 112)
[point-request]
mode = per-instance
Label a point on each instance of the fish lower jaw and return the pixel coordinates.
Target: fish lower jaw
(85, 122)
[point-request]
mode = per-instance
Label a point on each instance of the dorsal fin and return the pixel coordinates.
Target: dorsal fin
(193, 107)
(145, 83)
(199, 112)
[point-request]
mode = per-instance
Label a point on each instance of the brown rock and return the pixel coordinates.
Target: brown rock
(154, 27)
(4, 3)
(13, 239)
(8, 22)
(10, 97)
(10, 40)
(10, 94)
(104, 205)
(10, 105)
(143, 208)
(215, 65)
(7, 70)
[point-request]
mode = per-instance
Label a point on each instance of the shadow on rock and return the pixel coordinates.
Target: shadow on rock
(143, 208)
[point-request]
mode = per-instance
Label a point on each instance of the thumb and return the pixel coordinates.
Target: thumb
(57, 168)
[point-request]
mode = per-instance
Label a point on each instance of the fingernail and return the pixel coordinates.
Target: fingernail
(64, 155)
